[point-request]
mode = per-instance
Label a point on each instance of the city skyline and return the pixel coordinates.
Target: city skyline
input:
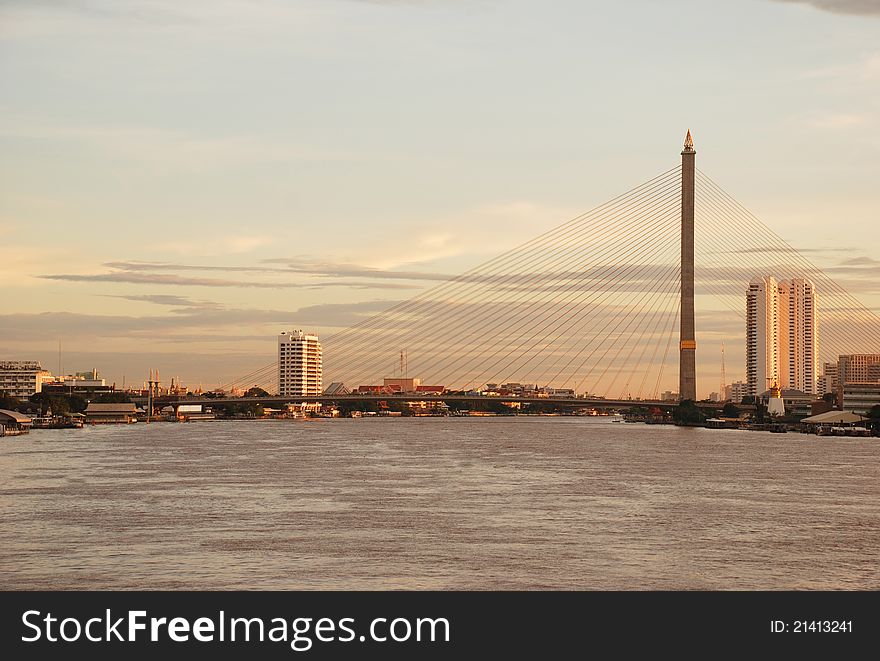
(152, 225)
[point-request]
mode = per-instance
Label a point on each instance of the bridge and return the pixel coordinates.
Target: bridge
(609, 303)
(447, 398)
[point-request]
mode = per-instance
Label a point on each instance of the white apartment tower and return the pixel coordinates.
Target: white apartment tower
(763, 343)
(299, 364)
(802, 335)
(781, 335)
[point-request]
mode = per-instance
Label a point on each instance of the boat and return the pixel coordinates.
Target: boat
(72, 421)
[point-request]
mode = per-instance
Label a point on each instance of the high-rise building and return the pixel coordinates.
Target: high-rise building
(781, 335)
(763, 341)
(300, 369)
(802, 334)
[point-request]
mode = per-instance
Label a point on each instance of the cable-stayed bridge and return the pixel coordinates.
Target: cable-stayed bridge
(608, 303)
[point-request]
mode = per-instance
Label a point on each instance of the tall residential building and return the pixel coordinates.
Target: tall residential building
(763, 343)
(802, 334)
(22, 378)
(300, 368)
(781, 335)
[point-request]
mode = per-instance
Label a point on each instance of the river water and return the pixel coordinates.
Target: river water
(437, 503)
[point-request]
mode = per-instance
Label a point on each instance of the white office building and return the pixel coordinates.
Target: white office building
(736, 391)
(300, 369)
(22, 378)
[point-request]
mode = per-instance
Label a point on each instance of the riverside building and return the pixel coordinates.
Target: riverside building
(22, 378)
(781, 335)
(300, 364)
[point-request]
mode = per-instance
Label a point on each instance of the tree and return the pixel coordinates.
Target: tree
(687, 412)
(730, 410)
(874, 412)
(8, 402)
(256, 391)
(498, 408)
(58, 404)
(346, 407)
(538, 407)
(113, 398)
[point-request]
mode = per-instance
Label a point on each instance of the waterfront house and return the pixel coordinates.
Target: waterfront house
(122, 413)
(13, 423)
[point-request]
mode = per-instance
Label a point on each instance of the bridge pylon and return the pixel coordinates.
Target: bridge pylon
(687, 370)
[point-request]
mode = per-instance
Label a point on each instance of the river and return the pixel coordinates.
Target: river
(437, 503)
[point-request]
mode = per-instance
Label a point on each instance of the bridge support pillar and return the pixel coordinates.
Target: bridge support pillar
(687, 370)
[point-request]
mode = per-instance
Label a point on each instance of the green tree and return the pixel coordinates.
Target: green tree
(730, 410)
(9, 402)
(540, 407)
(874, 412)
(498, 408)
(113, 398)
(687, 412)
(58, 404)
(256, 392)
(346, 407)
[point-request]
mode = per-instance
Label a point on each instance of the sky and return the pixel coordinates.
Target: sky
(180, 181)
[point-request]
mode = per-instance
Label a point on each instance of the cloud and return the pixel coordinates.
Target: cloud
(178, 280)
(773, 250)
(340, 270)
(856, 7)
(192, 153)
(861, 261)
(163, 279)
(180, 327)
(167, 266)
(166, 299)
(844, 120)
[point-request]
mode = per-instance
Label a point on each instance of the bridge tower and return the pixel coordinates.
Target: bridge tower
(687, 371)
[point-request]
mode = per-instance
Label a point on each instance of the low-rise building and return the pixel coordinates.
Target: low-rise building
(736, 391)
(795, 402)
(559, 392)
(827, 382)
(85, 384)
(861, 397)
(13, 423)
(401, 385)
(431, 390)
(122, 413)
